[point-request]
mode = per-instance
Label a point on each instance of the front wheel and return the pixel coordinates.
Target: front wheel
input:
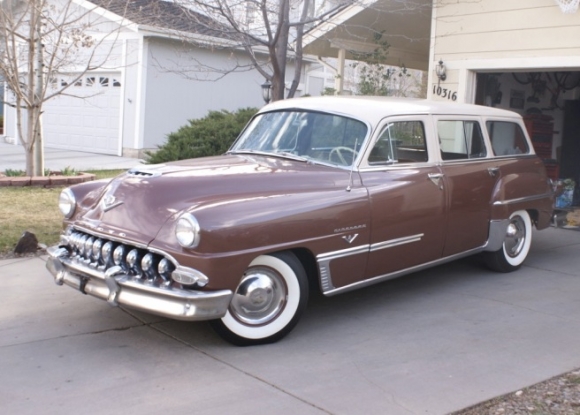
(516, 245)
(268, 302)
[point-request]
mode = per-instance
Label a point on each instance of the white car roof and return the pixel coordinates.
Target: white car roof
(373, 109)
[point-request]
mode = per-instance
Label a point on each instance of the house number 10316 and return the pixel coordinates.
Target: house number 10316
(445, 93)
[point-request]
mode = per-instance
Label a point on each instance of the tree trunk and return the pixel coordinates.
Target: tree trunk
(30, 142)
(38, 149)
(298, 58)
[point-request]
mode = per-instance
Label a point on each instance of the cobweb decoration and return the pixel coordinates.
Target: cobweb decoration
(568, 6)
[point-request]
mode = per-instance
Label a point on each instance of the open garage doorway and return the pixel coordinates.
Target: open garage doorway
(549, 101)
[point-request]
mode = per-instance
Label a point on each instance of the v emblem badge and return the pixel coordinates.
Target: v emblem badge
(350, 238)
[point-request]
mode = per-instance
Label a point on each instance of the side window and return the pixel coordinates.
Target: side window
(460, 140)
(507, 138)
(400, 142)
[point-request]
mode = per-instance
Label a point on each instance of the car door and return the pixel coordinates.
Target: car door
(406, 197)
(469, 176)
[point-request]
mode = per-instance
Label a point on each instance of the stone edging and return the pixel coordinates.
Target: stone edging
(45, 181)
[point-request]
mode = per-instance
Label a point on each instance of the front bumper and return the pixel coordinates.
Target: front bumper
(119, 288)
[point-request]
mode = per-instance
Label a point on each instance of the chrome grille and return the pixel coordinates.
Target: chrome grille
(102, 253)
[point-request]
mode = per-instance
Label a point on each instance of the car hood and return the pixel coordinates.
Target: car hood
(136, 204)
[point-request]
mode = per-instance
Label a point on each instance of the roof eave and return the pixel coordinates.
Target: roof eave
(337, 19)
(154, 31)
(114, 17)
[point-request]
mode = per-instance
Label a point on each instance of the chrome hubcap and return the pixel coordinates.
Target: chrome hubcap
(260, 297)
(515, 237)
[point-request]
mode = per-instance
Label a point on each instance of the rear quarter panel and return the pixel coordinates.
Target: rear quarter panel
(523, 184)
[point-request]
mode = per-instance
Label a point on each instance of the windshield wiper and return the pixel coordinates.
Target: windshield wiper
(282, 154)
(292, 156)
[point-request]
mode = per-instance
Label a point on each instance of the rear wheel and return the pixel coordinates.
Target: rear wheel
(516, 245)
(267, 303)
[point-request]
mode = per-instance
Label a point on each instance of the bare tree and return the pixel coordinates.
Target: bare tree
(39, 41)
(269, 31)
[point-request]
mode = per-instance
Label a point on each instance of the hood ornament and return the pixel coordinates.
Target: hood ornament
(110, 202)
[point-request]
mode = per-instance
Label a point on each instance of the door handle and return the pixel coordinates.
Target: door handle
(436, 178)
(493, 171)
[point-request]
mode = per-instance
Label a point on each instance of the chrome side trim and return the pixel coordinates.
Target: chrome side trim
(521, 199)
(396, 242)
(324, 263)
(343, 253)
(381, 278)
(324, 260)
(119, 288)
(497, 232)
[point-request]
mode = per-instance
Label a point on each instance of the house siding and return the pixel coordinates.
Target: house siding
(498, 34)
(171, 99)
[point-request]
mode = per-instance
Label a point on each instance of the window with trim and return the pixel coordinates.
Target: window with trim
(310, 135)
(400, 142)
(460, 140)
(507, 138)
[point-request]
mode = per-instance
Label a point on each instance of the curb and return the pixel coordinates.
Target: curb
(45, 181)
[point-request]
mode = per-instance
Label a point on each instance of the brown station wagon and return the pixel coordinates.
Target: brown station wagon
(331, 192)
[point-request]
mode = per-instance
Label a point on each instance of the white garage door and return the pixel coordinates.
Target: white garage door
(88, 120)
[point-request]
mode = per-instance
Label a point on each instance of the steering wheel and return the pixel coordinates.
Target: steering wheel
(339, 152)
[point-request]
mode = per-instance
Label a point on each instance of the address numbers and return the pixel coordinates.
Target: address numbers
(445, 93)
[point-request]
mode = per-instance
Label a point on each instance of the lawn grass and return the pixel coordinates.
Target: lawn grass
(34, 209)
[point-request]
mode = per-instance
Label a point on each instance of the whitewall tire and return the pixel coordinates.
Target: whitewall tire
(267, 303)
(516, 245)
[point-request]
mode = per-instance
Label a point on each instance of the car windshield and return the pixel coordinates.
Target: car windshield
(303, 135)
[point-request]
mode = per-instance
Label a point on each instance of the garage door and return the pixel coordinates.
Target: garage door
(88, 119)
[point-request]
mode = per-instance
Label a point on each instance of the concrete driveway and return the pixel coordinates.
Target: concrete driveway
(13, 157)
(428, 343)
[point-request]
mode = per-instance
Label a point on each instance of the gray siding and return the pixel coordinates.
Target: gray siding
(171, 99)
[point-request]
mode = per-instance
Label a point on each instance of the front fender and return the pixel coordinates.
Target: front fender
(235, 231)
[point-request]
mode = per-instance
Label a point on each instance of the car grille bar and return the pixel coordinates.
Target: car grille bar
(98, 253)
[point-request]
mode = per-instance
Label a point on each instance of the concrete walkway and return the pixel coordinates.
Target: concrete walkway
(428, 343)
(13, 157)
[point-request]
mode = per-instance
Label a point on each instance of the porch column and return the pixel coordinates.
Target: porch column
(339, 80)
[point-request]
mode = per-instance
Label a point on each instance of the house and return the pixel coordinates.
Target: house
(351, 31)
(153, 81)
(521, 55)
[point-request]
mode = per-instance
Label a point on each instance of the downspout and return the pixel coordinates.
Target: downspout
(431, 72)
(123, 97)
(141, 97)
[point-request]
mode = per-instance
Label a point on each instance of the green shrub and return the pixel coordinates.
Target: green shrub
(14, 173)
(69, 171)
(208, 136)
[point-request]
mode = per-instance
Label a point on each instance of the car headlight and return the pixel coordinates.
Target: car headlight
(187, 231)
(67, 203)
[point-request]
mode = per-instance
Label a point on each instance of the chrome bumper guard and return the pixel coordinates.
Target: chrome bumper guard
(118, 288)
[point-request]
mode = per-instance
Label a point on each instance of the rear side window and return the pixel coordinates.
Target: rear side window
(507, 138)
(460, 140)
(400, 142)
